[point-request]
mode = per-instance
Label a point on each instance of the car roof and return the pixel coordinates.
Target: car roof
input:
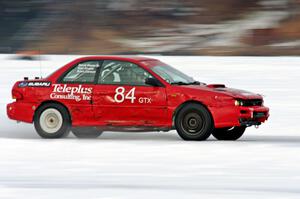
(117, 57)
(133, 59)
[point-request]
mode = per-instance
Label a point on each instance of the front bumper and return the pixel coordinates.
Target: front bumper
(254, 115)
(228, 116)
(23, 112)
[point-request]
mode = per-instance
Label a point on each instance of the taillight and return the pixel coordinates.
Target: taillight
(17, 95)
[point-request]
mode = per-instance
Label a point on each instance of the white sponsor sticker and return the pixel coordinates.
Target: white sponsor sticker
(34, 84)
(76, 93)
(120, 96)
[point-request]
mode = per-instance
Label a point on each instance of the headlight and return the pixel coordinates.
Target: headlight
(248, 102)
(238, 103)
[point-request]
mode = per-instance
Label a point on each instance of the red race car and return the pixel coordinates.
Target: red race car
(92, 94)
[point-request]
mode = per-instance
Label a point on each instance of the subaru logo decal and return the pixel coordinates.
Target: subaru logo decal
(23, 84)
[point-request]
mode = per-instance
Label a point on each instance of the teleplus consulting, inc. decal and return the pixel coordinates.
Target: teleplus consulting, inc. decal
(76, 93)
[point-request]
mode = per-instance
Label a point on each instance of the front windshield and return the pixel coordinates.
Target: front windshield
(172, 75)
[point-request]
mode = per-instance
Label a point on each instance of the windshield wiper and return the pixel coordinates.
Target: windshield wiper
(179, 83)
(195, 83)
(188, 83)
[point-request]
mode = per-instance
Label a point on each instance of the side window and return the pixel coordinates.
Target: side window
(123, 73)
(84, 72)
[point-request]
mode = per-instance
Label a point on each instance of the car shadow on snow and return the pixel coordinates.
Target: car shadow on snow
(21, 133)
(271, 139)
(28, 132)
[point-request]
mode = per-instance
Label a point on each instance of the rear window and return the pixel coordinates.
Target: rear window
(83, 72)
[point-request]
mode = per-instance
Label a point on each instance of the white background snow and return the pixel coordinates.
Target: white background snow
(264, 163)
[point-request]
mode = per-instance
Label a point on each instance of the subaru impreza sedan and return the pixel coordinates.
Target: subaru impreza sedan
(94, 94)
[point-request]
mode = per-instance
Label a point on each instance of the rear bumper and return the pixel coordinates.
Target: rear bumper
(20, 111)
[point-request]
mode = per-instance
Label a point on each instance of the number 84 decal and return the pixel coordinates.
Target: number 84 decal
(120, 96)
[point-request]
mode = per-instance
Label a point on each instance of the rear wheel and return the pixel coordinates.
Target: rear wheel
(52, 121)
(86, 132)
(194, 122)
(233, 133)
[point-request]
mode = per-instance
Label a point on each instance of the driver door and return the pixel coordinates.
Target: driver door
(121, 97)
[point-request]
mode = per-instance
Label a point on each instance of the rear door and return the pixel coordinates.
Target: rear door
(74, 89)
(122, 98)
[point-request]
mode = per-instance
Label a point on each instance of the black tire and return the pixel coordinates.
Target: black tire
(194, 122)
(233, 133)
(86, 132)
(63, 117)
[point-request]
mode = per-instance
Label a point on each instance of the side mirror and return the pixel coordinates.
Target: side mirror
(152, 81)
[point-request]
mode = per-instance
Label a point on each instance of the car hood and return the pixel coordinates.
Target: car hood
(222, 89)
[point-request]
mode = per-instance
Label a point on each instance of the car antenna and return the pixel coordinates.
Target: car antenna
(40, 60)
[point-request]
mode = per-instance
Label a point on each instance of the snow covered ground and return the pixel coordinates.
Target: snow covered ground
(263, 164)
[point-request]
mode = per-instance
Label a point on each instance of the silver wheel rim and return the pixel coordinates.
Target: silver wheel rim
(51, 120)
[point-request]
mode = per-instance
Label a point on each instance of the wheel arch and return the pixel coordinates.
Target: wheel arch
(190, 102)
(53, 102)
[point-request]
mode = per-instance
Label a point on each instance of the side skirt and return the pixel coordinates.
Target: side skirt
(132, 128)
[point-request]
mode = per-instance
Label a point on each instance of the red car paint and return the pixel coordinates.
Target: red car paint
(97, 104)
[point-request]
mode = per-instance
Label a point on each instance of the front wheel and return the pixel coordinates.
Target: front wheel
(86, 132)
(233, 133)
(194, 122)
(52, 121)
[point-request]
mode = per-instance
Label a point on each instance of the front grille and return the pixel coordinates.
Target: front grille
(253, 102)
(259, 114)
(249, 122)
